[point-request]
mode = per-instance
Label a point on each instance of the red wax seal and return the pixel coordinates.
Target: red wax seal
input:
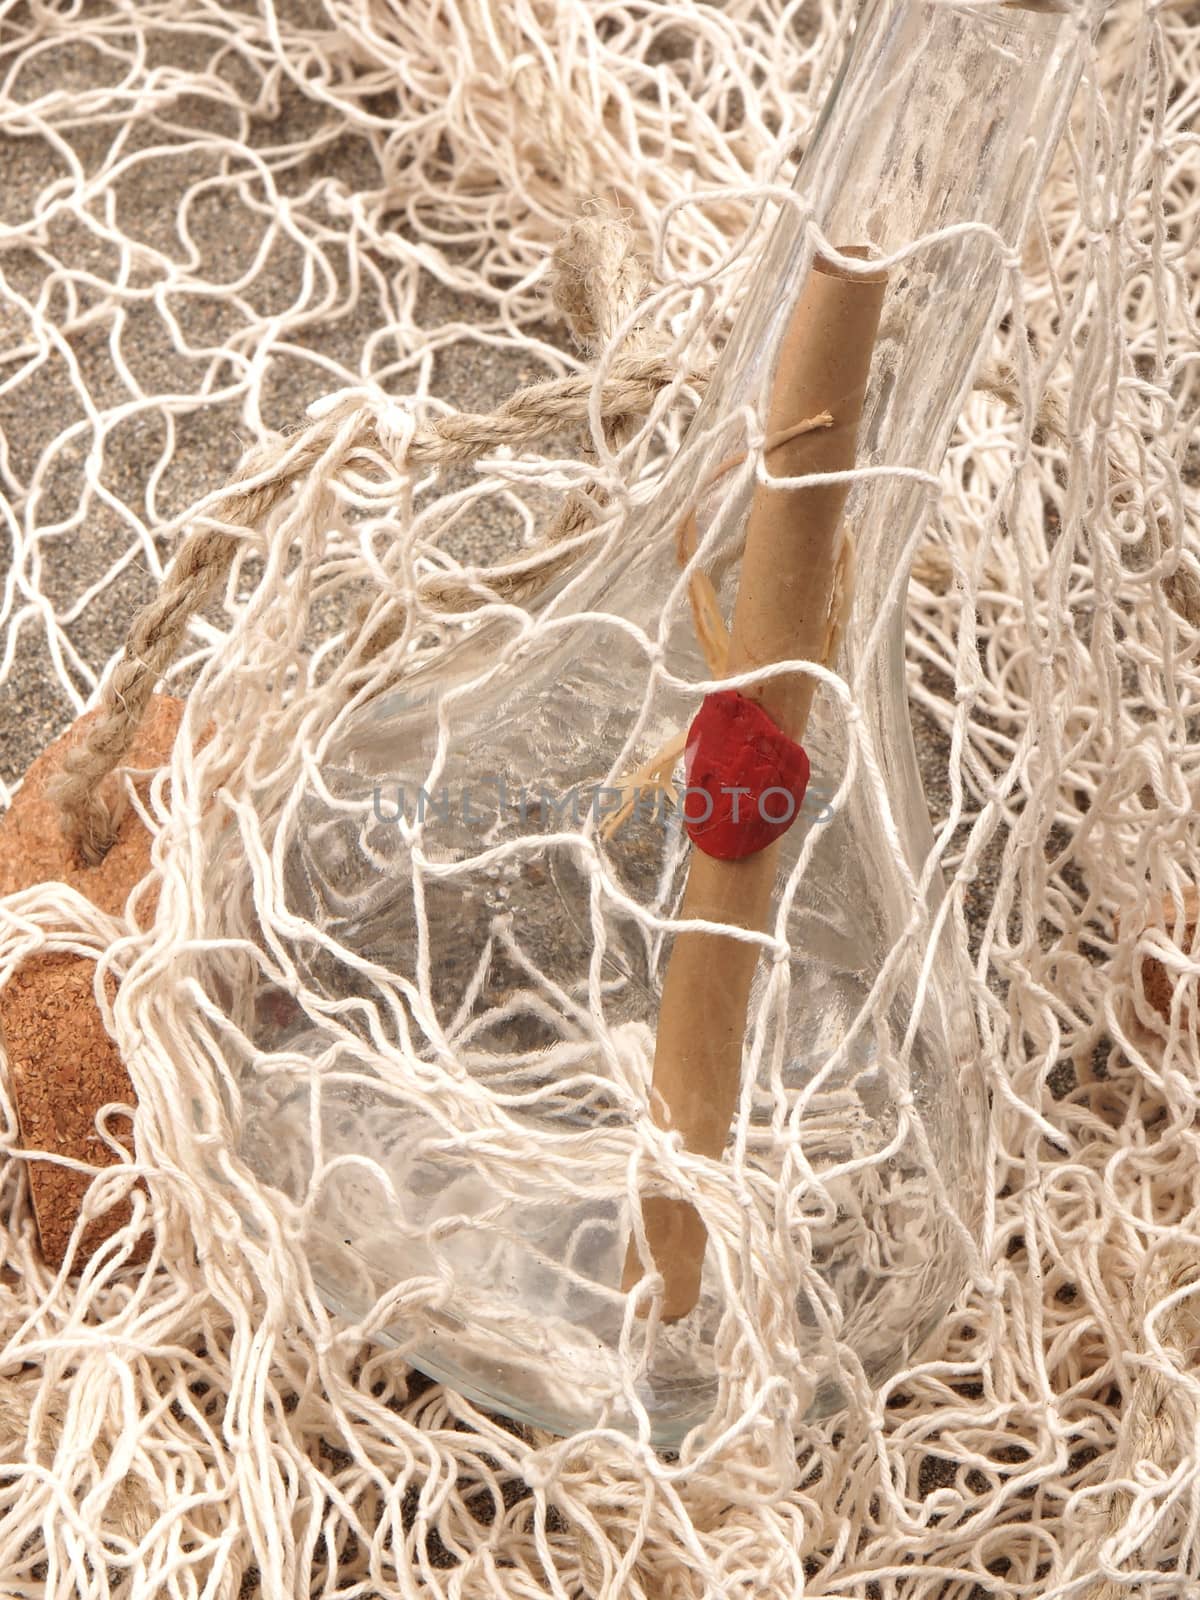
(745, 778)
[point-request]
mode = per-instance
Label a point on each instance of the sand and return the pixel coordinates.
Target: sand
(105, 538)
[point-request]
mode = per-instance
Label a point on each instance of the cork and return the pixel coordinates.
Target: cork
(63, 1066)
(786, 608)
(1158, 985)
(32, 846)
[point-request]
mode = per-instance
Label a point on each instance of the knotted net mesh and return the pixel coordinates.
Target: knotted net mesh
(217, 215)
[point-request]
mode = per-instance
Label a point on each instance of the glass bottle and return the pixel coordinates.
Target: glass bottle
(499, 956)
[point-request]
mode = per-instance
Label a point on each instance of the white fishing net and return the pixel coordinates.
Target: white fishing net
(215, 215)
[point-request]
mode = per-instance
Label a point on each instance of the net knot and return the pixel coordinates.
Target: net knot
(339, 401)
(396, 424)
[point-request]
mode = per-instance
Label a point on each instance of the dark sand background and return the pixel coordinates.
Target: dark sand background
(89, 326)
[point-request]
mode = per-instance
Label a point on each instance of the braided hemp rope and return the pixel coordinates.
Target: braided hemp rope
(597, 283)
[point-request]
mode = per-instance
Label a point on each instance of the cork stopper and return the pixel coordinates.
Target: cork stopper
(33, 848)
(1158, 985)
(62, 1064)
(62, 1068)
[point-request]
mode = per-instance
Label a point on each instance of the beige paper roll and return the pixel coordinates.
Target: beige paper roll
(786, 595)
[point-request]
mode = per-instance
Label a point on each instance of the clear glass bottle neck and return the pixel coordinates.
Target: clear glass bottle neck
(933, 144)
(930, 153)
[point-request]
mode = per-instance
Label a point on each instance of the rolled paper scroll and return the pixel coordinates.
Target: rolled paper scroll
(788, 601)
